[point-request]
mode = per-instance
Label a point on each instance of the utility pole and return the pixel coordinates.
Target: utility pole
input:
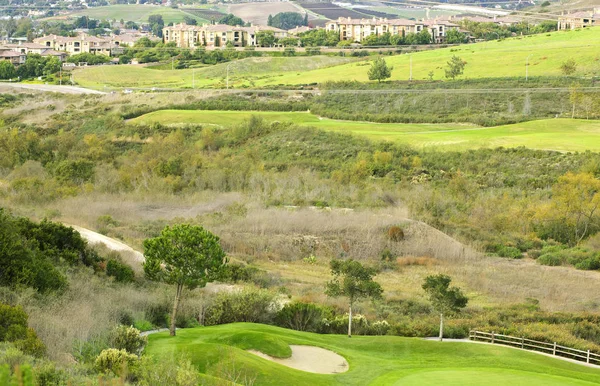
(60, 75)
(194, 78)
(410, 75)
(527, 68)
(172, 59)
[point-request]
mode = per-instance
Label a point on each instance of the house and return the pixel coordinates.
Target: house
(15, 58)
(215, 35)
(298, 30)
(358, 29)
(104, 45)
(34, 48)
(576, 20)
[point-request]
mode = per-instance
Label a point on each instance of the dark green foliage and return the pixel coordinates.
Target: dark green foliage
(120, 271)
(255, 306)
(13, 328)
(90, 59)
(379, 70)
(286, 20)
(302, 316)
(231, 19)
(235, 273)
(444, 299)
(158, 314)
(74, 171)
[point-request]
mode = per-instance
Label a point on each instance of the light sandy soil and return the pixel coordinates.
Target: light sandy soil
(115, 245)
(49, 87)
(311, 359)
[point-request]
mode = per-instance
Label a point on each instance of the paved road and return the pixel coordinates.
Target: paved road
(49, 88)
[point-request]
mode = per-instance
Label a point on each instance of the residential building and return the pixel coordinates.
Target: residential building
(105, 45)
(581, 19)
(298, 30)
(24, 49)
(215, 35)
(358, 29)
(15, 58)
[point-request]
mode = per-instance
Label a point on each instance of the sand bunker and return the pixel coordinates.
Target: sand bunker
(311, 359)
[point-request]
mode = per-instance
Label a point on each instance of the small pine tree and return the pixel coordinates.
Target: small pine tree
(270, 21)
(379, 70)
(456, 67)
(305, 23)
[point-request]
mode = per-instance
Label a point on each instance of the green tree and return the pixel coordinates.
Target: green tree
(443, 298)
(352, 280)
(265, 38)
(454, 36)
(287, 20)
(7, 70)
(455, 67)
(185, 255)
(231, 19)
(379, 70)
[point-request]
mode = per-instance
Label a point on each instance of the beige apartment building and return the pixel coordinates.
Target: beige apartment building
(358, 29)
(576, 20)
(215, 35)
(105, 45)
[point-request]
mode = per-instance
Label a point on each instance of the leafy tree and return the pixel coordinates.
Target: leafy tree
(352, 280)
(270, 20)
(156, 24)
(454, 36)
(305, 21)
(190, 20)
(287, 20)
(455, 67)
(231, 19)
(185, 255)
(423, 37)
(444, 299)
(379, 70)
(7, 70)
(265, 38)
(568, 67)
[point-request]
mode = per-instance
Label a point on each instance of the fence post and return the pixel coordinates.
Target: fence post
(588, 357)
(492, 337)
(554, 349)
(522, 342)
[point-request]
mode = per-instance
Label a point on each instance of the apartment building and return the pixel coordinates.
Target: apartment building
(215, 35)
(21, 50)
(576, 20)
(358, 29)
(105, 45)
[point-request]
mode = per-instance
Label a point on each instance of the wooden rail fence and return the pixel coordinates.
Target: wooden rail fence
(535, 345)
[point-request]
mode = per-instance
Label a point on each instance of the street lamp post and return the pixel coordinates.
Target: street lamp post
(194, 78)
(527, 67)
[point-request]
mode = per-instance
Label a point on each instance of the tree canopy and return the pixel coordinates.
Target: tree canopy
(185, 255)
(443, 298)
(379, 70)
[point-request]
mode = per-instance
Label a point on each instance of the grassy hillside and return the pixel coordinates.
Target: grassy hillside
(249, 69)
(555, 134)
(505, 58)
(136, 12)
(381, 360)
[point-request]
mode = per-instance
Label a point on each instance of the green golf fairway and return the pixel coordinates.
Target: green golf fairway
(373, 360)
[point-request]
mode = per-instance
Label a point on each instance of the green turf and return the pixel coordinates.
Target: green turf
(138, 13)
(381, 360)
(504, 58)
(549, 134)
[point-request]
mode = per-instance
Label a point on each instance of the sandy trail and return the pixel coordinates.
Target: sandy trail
(50, 88)
(115, 245)
(311, 359)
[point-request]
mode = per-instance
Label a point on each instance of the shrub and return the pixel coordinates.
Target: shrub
(158, 314)
(128, 339)
(510, 252)
(552, 259)
(301, 316)
(380, 327)
(48, 375)
(118, 362)
(13, 328)
(176, 371)
(121, 272)
(387, 255)
(143, 325)
(248, 305)
(395, 233)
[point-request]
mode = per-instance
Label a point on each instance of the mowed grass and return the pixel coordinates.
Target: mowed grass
(373, 360)
(505, 58)
(245, 71)
(138, 13)
(547, 134)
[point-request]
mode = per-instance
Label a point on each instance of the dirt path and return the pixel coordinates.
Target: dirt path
(50, 88)
(311, 359)
(113, 244)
